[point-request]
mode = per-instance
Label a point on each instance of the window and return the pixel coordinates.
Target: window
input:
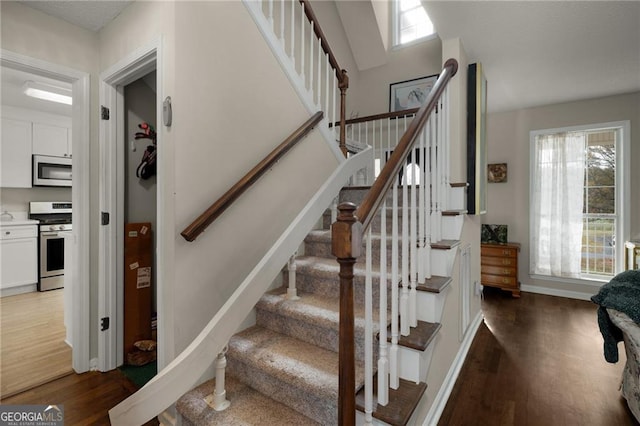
(577, 205)
(411, 22)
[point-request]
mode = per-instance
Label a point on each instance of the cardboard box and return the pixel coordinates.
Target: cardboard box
(138, 292)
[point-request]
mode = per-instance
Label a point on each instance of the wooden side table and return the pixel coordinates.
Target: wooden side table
(499, 266)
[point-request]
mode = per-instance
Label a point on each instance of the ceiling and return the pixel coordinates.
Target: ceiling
(12, 81)
(544, 52)
(533, 52)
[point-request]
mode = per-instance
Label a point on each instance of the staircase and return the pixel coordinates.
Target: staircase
(284, 369)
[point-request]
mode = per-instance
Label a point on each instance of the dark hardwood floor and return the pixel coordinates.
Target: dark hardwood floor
(537, 360)
(87, 398)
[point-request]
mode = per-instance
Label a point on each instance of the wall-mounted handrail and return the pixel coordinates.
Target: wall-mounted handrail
(192, 231)
(380, 187)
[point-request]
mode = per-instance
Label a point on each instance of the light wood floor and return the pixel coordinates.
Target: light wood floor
(537, 360)
(32, 347)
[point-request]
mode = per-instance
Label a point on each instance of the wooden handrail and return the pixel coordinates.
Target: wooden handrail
(376, 194)
(381, 116)
(192, 231)
(341, 74)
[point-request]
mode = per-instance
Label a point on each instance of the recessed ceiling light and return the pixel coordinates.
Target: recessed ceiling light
(47, 92)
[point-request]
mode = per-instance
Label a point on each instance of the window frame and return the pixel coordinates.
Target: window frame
(622, 130)
(395, 27)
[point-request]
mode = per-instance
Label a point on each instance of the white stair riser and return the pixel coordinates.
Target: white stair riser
(431, 305)
(457, 196)
(452, 227)
(442, 261)
(414, 365)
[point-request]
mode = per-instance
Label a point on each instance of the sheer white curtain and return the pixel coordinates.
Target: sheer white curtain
(557, 203)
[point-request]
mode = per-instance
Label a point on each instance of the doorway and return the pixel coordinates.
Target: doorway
(127, 198)
(77, 299)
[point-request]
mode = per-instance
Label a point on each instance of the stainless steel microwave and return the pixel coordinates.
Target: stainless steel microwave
(51, 171)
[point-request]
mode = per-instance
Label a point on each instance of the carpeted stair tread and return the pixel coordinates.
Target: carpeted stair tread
(324, 267)
(301, 364)
(402, 402)
(435, 284)
(302, 375)
(419, 337)
(248, 408)
(310, 307)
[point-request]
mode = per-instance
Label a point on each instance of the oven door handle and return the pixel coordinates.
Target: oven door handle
(49, 234)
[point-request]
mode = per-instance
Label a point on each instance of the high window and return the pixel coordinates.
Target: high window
(578, 209)
(411, 22)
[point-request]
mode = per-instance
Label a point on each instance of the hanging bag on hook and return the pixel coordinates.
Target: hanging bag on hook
(147, 166)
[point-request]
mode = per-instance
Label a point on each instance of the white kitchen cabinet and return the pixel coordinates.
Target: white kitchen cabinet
(16, 154)
(52, 140)
(18, 255)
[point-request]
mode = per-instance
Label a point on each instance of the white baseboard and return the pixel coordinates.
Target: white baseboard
(557, 292)
(440, 401)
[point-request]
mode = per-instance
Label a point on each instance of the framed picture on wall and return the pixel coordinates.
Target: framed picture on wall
(410, 93)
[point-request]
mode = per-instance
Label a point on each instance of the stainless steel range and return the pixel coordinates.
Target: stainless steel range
(55, 223)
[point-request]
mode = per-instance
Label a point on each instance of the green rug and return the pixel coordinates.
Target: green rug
(140, 375)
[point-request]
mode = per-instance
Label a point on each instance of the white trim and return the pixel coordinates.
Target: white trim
(557, 292)
(253, 7)
(111, 298)
(585, 282)
(185, 371)
(79, 193)
(441, 398)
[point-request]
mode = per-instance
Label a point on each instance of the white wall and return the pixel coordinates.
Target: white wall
(415, 61)
(508, 142)
(229, 119)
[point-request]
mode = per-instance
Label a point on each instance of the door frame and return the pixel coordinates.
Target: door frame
(81, 137)
(111, 238)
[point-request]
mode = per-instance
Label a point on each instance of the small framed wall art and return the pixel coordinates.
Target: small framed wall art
(497, 173)
(410, 93)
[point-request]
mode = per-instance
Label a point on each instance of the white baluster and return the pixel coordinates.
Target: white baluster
(404, 298)
(427, 201)
(326, 85)
(368, 335)
(311, 75)
(218, 400)
(293, 32)
(394, 366)
(292, 292)
(302, 21)
(383, 361)
(334, 107)
(319, 89)
(435, 237)
(413, 232)
(282, 25)
(447, 144)
(271, 15)
(334, 210)
(421, 224)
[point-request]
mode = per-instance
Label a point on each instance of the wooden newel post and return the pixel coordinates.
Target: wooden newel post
(343, 85)
(346, 243)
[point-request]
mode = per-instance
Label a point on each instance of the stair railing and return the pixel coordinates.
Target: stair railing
(425, 142)
(294, 30)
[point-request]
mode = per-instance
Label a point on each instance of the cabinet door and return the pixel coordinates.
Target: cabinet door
(50, 140)
(19, 258)
(16, 154)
